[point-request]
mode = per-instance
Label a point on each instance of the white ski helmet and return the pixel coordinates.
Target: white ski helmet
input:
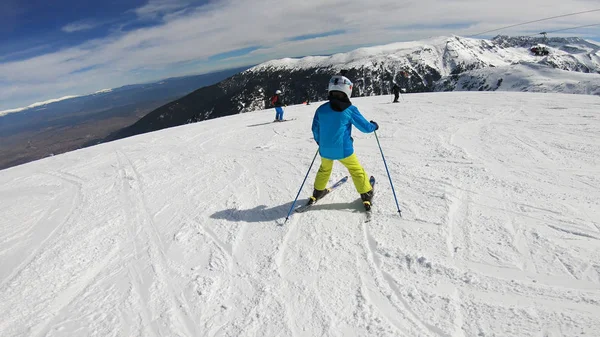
(340, 83)
(278, 92)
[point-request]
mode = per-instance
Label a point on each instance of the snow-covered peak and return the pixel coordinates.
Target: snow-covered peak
(356, 58)
(38, 104)
(444, 54)
(103, 91)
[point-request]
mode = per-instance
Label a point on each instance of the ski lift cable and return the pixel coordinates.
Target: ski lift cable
(560, 30)
(528, 22)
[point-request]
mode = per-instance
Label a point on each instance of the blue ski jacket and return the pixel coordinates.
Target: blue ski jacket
(333, 130)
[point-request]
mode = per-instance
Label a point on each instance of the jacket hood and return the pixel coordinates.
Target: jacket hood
(339, 104)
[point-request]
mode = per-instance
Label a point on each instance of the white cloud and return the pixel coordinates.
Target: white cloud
(79, 26)
(156, 8)
(188, 35)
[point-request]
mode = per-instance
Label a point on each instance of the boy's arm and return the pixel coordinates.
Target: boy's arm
(360, 122)
(315, 126)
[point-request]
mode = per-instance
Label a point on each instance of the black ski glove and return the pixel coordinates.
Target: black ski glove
(376, 125)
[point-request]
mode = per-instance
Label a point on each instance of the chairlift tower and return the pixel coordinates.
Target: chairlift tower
(545, 37)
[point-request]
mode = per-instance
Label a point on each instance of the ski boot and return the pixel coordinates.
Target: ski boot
(367, 197)
(317, 194)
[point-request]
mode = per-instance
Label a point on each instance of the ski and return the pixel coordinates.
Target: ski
(284, 120)
(328, 190)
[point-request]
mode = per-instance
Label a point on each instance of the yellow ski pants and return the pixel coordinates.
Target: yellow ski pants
(357, 172)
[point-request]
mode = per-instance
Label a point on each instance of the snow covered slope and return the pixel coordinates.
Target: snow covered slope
(527, 77)
(176, 232)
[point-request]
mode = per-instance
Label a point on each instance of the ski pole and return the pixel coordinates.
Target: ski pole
(300, 190)
(388, 173)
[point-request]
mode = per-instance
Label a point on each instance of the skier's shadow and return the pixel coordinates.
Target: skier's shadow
(260, 213)
(263, 214)
(253, 125)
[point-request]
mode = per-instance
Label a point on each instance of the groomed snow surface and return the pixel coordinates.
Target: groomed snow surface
(177, 232)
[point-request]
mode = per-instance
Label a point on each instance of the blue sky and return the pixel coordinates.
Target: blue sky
(35, 27)
(50, 49)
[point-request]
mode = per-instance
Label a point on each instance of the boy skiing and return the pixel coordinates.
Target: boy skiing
(332, 127)
(278, 103)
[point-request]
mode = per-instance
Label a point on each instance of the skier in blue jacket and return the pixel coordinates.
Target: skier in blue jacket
(332, 129)
(278, 103)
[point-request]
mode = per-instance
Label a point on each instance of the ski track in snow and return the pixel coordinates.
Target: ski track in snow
(179, 232)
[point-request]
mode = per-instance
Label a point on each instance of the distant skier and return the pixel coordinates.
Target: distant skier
(278, 103)
(396, 91)
(332, 127)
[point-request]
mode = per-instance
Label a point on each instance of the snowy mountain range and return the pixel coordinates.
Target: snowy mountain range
(436, 64)
(439, 64)
(180, 232)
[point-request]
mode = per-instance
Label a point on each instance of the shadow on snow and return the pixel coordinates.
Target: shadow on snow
(263, 213)
(267, 123)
